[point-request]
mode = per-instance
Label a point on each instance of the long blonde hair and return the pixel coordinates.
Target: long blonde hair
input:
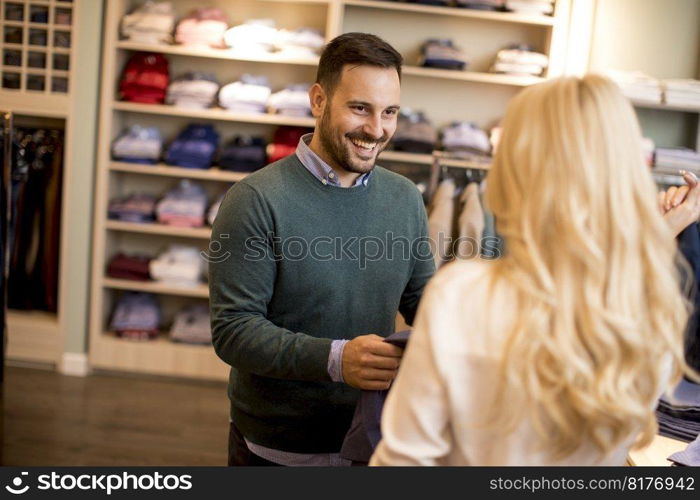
(593, 263)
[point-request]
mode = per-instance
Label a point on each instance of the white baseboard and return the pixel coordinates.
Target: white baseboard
(74, 364)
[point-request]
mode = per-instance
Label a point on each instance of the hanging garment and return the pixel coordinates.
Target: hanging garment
(440, 222)
(471, 224)
(35, 220)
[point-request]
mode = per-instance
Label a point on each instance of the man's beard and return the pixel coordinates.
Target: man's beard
(338, 150)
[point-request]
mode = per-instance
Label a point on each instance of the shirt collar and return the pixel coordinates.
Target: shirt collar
(319, 168)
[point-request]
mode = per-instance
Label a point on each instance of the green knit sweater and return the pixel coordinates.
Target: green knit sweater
(295, 264)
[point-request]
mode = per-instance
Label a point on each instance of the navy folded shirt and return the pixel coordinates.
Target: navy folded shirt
(365, 430)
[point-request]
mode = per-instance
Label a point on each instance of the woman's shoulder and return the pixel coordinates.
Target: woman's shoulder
(462, 276)
(467, 307)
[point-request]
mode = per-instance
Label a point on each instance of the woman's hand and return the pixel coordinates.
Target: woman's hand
(680, 205)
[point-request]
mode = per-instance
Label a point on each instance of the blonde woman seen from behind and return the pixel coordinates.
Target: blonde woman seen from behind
(556, 353)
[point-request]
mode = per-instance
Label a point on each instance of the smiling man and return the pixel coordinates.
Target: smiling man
(314, 255)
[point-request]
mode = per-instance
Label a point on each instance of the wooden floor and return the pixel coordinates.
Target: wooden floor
(51, 420)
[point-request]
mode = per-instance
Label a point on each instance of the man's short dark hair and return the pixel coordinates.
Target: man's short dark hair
(357, 49)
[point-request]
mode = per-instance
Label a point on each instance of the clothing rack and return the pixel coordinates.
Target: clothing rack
(442, 161)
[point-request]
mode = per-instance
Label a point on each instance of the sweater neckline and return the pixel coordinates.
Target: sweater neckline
(328, 188)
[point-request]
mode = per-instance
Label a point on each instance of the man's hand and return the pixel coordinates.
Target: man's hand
(681, 205)
(370, 363)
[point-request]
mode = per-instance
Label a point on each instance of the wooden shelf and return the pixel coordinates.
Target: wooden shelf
(201, 291)
(216, 114)
(320, 2)
(504, 17)
(55, 3)
(33, 336)
(668, 107)
(452, 162)
(161, 169)
(472, 76)
(37, 48)
(161, 229)
(655, 454)
(400, 156)
(36, 71)
(158, 357)
(178, 50)
(423, 159)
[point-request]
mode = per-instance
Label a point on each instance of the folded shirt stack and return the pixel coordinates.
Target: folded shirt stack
(183, 206)
(133, 208)
(243, 154)
(202, 27)
(690, 457)
(248, 95)
(679, 413)
(637, 85)
(291, 101)
(438, 3)
(137, 316)
(682, 92)
(145, 78)
(674, 159)
(255, 36)
(481, 4)
(152, 22)
(180, 265)
(193, 90)
(138, 144)
(465, 140)
(534, 7)
(414, 133)
(192, 325)
(129, 267)
(194, 147)
(302, 42)
(284, 142)
(442, 53)
(214, 210)
(520, 59)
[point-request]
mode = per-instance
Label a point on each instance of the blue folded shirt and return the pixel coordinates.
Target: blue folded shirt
(195, 147)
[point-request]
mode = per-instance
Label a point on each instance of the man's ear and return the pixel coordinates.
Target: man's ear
(318, 100)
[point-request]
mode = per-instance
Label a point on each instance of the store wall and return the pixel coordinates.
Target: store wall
(660, 38)
(79, 222)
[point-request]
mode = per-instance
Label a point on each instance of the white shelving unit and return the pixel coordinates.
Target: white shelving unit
(665, 177)
(36, 82)
(474, 95)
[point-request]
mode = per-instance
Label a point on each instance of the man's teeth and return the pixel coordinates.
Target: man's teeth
(364, 145)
